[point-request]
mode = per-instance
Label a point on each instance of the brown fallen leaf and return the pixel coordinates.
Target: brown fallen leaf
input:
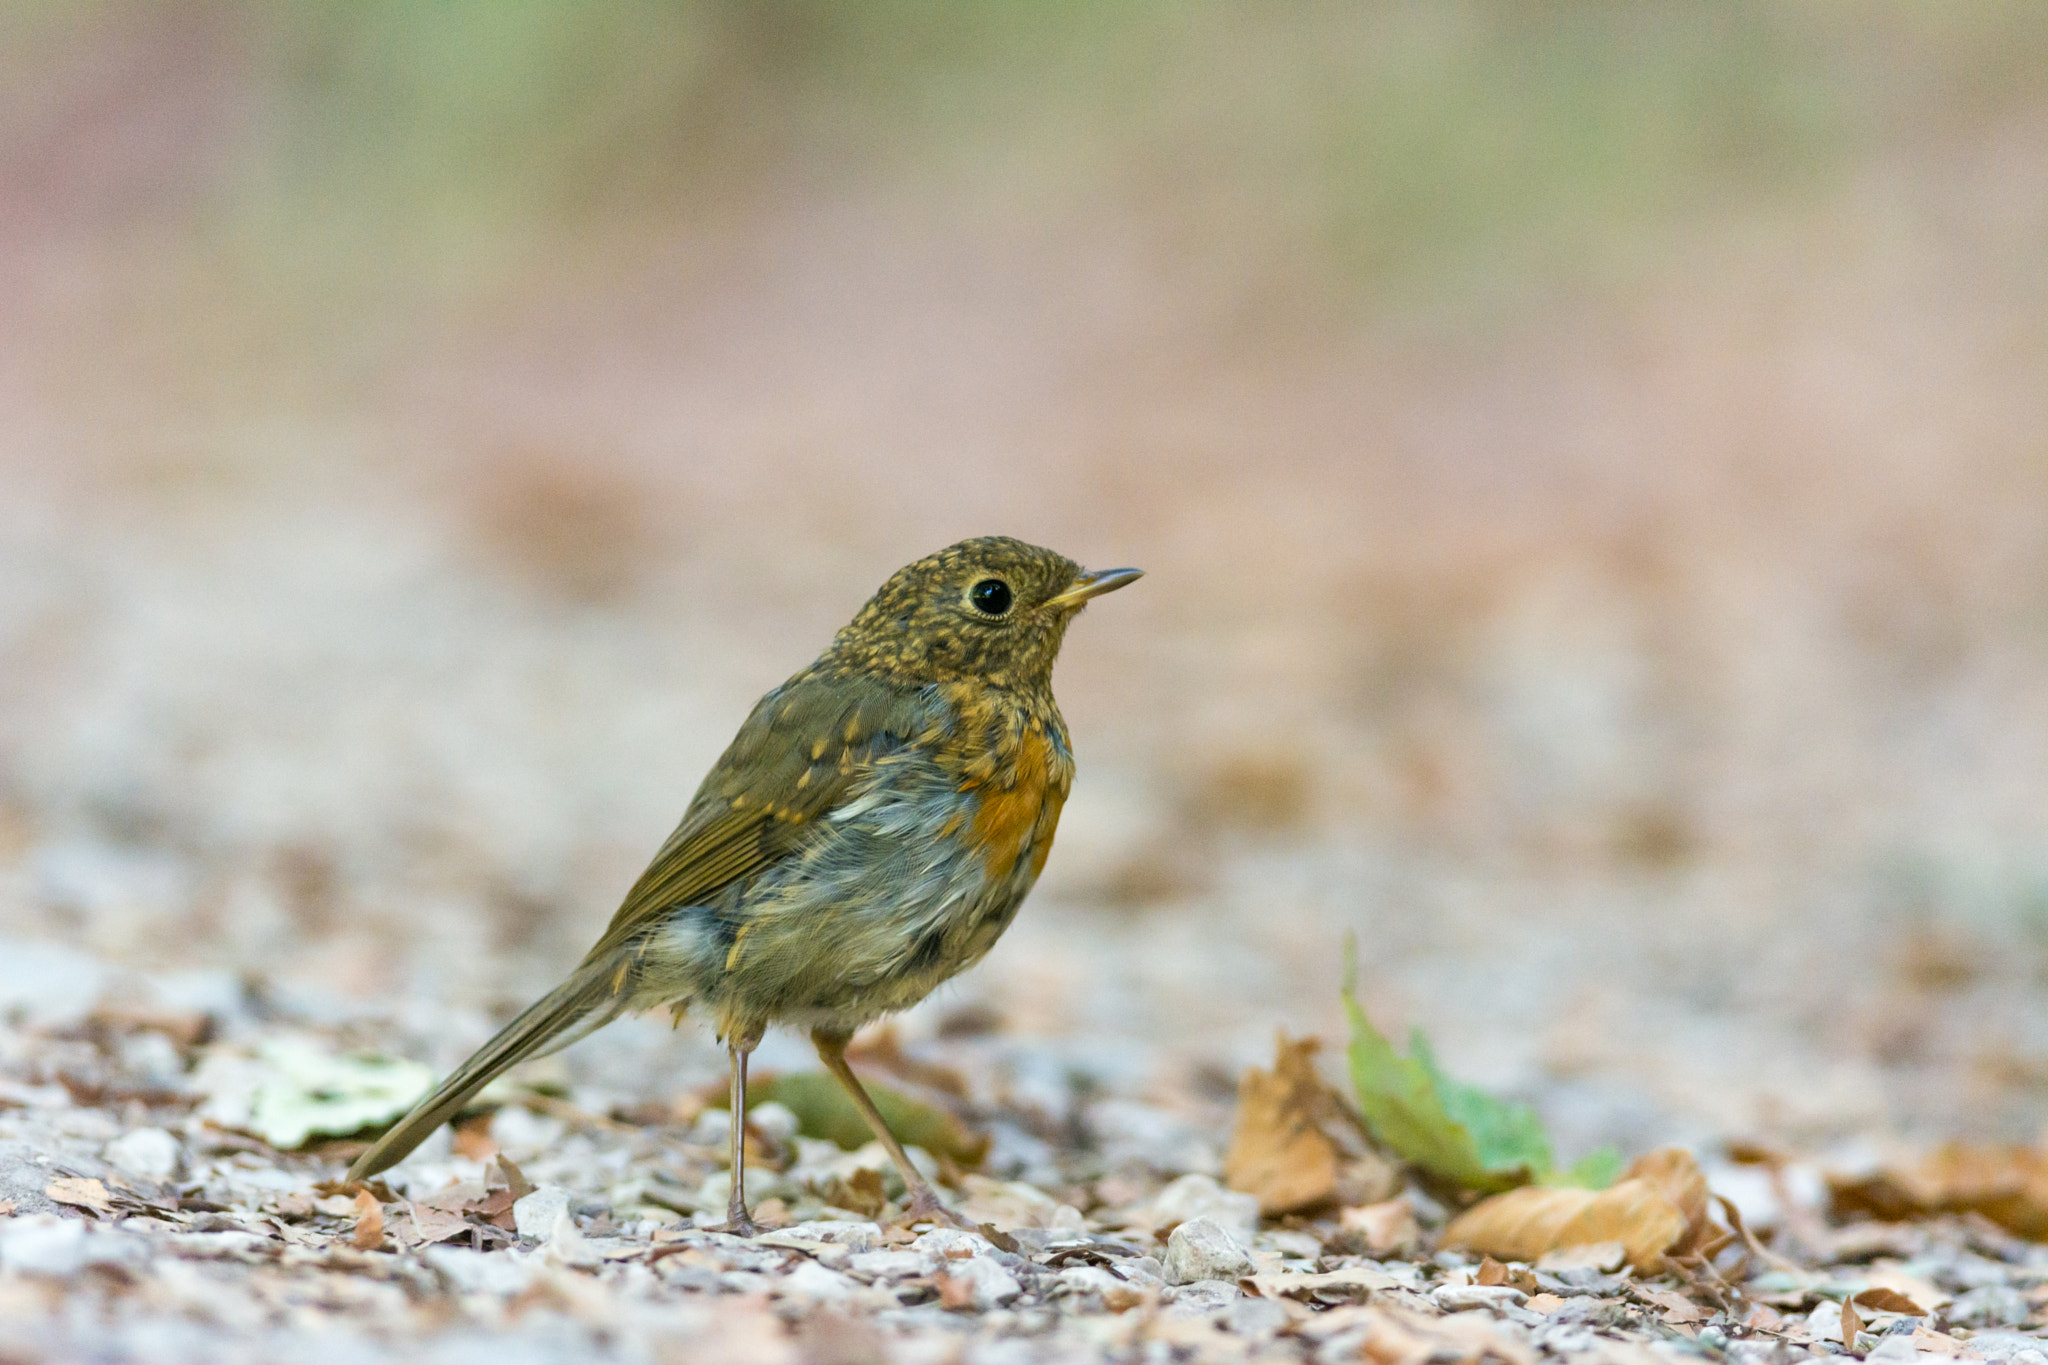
(1880, 1300)
(473, 1140)
(1852, 1324)
(1657, 1210)
(431, 1224)
(1394, 1337)
(1279, 1151)
(81, 1192)
(369, 1235)
(1676, 1308)
(1384, 1228)
(1351, 1284)
(2007, 1184)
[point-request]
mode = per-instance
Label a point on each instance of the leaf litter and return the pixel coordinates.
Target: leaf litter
(1404, 1218)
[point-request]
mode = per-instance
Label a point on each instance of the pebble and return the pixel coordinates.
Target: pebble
(1460, 1298)
(1204, 1296)
(810, 1280)
(536, 1215)
(144, 1153)
(1256, 1319)
(1198, 1196)
(1203, 1249)
(49, 1244)
(1991, 1305)
(475, 1272)
(990, 1284)
(889, 1265)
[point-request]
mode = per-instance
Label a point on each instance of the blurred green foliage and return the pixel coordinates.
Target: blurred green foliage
(1412, 151)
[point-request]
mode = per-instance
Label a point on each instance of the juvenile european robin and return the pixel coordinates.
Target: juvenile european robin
(869, 833)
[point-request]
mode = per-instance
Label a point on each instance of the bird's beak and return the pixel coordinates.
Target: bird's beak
(1094, 585)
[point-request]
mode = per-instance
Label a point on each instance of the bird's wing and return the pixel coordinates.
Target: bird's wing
(800, 754)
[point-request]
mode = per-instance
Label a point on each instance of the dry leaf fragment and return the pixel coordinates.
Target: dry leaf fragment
(81, 1192)
(1881, 1300)
(1384, 1228)
(1602, 1257)
(2008, 1185)
(1657, 1210)
(1398, 1338)
(1351, 1284)
(369, 1222)
(1852, 1324)
(1279, 1151)
(1676, 1308)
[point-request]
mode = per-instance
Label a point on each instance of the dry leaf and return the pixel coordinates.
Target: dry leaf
(1657, 1210)
(369, 1222)
(1490, 1272)
(1603, 1257)
(1676, 1308)
(473, 1140)
(860, 1193)
(1384, 1228)
(2008, 1185)
(1279, 1151)
(1852, 1325)
(1937, 1343)
(431, 1225)
(81, 1192)
(1397, 1338)
(1352, 1284)
(1881, 1300)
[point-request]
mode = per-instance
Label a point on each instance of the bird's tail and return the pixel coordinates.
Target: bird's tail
(595, 995)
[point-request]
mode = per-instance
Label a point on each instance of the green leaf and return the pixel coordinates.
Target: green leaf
(308, 1092)
(823, 1110)
(1596, 1170)
(1457, 1133)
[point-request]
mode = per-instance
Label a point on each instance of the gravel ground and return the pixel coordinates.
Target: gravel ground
(143, 1225)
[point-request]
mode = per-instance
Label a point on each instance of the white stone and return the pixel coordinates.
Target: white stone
(942, 1242)
(811, 1280)
(502, 1273)
(145, 1154)
(1256, 1319)
(44, 1244)
(1896, 1349)
(1202, 1296)
(49, 1244)
(889, 1265)
(537, 1214)
(1203, 1249)
(991, 1284)
(1459, 1298)
(1198, 1196)
(776, 1122)
(1090, 1279)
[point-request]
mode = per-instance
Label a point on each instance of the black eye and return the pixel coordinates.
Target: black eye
(990, 597)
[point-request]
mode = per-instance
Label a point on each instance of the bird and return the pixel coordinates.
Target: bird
(869, 833)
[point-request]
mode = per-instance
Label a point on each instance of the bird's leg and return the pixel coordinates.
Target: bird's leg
(923, 1205)
(739, 1046)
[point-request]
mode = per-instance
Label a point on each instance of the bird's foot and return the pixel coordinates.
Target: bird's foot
(924, 1207)
(737, 1223)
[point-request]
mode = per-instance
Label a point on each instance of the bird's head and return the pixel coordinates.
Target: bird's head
(992, 608)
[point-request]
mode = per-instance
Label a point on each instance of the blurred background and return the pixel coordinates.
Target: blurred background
(1590, 463)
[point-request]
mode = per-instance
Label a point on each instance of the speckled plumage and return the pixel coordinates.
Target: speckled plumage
(869, 832)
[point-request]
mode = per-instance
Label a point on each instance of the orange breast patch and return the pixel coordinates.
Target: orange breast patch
(1008, 815)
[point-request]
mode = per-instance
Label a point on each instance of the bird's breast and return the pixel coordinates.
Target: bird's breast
(1018, 808)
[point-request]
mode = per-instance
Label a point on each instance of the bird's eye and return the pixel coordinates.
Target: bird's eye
(990, 597)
